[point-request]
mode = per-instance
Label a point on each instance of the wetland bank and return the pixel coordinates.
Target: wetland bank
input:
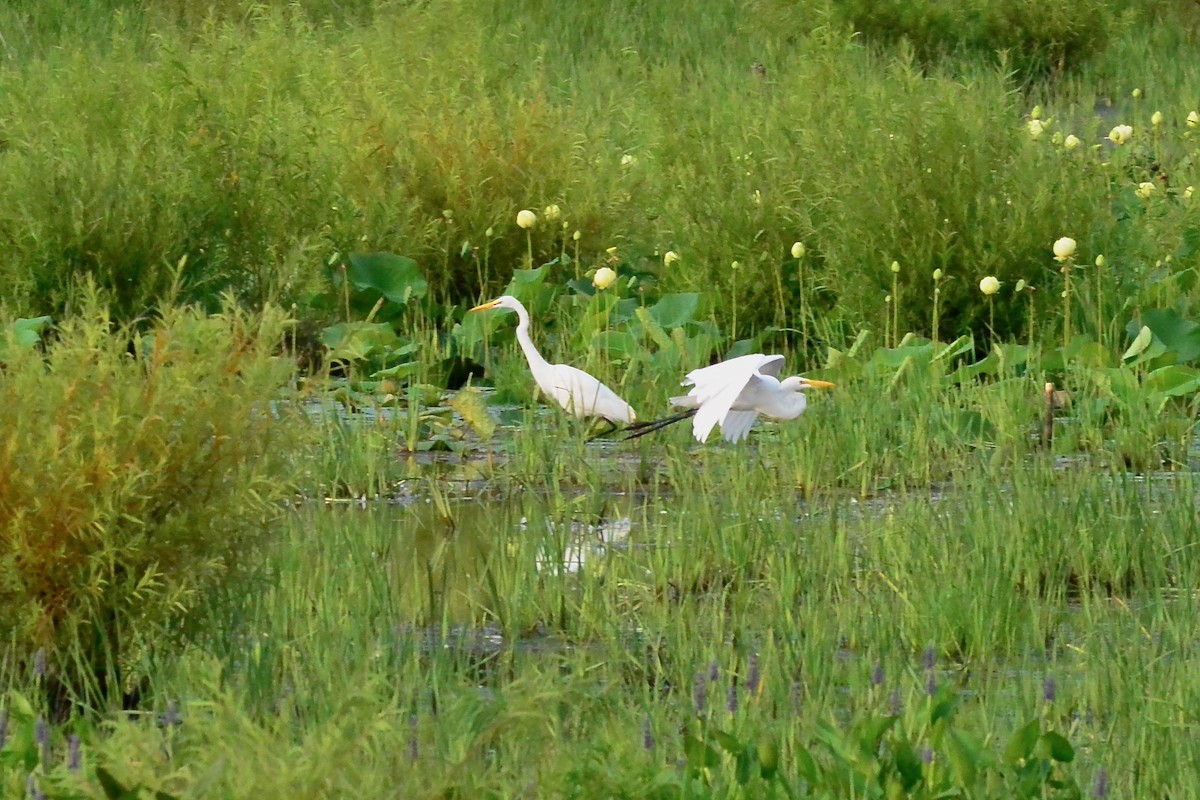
(280, 517)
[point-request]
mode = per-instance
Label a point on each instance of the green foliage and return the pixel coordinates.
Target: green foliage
(222, 149)
(1034, 38)
(23, 333)
(139, 469)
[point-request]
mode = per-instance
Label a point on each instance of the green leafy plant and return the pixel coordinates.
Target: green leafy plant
(143, 475)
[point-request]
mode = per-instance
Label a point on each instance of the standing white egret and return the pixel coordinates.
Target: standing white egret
(733, 393)
(573, 389)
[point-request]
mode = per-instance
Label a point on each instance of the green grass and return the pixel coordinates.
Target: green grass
(310, 682)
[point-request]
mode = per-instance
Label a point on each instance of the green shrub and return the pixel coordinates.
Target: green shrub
(137, 471)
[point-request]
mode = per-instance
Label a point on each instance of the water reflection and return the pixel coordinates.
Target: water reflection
(429, 565)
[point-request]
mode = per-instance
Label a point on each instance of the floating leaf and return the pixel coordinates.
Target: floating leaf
(354, 341)
(471, 407)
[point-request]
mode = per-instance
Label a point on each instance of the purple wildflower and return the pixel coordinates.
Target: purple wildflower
(32, 790)
(74, 754)
(39, 663)
(753, 674)
(3, 727)
(930, 658)
(896, 704)
(700, 693)
(731, 700)
(1101, 790)
(796, 696)
(931, 684)
(927, 754)
(1049, 689)
(171, 717)
(414, 751)
(877, 676)
(41, 733)
(714, 672)
(647, 735)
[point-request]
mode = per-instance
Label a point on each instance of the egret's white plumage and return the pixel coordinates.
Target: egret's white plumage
(733, 393)
(573, 389)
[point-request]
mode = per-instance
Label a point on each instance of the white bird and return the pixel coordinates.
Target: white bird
(573, 389)
(733, 393)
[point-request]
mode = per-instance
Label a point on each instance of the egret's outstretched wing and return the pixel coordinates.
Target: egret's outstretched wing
(737, 425)
(718, 373)
(717, 388)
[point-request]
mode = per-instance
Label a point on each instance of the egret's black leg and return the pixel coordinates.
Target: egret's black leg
(650, 426)
(612, 426)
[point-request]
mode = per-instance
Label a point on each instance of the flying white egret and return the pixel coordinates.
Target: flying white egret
(573, 389)
(733, 393)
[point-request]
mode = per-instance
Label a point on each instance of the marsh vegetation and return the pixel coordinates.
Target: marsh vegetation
(280, 518)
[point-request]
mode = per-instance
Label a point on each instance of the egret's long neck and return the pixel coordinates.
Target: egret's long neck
(531, 353)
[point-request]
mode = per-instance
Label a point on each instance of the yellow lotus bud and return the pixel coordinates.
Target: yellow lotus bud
(552, 212)
(1137, 93)
(1156, 119)
(1193, 119)
(895, 266)
(1036, 113)
(628, 160)
(797, 249)
(1064, 248)
(1120, 134)
(526, 218)
(735, 265)
(612, 251)
(604, 278)
(1057, 138)
(448, 213)
(577, 235)
(1100, 260)
(1145, 190)
(489, 232)
(1020, 287)
(670, 257)
(1071, 142)
(1035, 127)
(989, 285)
(1187, 193)
(937, 274)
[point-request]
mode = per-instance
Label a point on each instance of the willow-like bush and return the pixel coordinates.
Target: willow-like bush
(138, 470)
